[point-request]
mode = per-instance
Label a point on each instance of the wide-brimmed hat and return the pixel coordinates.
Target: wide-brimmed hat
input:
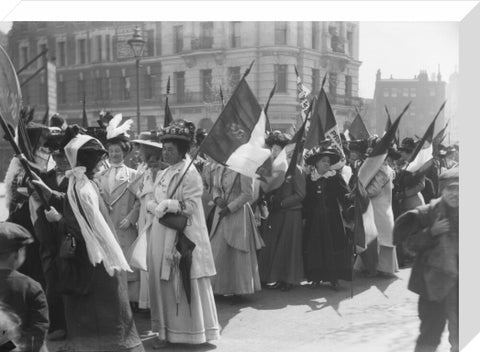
(316, 153)
(277, 137)
(394, 153)
(358, 145)
(150, 139)
(55, 139)
(408, 145)
(178, 130)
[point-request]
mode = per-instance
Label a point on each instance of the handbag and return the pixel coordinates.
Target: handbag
(174, 221)
(68, 247)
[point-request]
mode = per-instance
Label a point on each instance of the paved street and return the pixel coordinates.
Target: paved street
(381, 317)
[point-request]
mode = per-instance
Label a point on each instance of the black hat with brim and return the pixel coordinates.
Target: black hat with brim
(316, 154)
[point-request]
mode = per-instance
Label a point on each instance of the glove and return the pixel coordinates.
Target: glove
(53, 215)
(224, 212)
(167, 206)
(151, 205)
(220, 202)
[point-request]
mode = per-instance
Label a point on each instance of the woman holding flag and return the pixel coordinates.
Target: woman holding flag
(281, 261)
(327, 251)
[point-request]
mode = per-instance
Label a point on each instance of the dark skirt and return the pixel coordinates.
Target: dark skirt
(282, 259)
(328, 251)
(102, 319)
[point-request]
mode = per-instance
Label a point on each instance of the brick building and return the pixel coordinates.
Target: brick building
(427, 95)
(94, 58)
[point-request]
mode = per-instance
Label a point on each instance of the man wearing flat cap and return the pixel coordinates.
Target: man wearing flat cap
(431, 233)
(23, 295)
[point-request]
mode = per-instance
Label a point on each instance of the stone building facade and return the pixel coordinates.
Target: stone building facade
(94, 60)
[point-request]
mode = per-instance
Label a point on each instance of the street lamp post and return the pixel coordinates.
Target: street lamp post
(137, 44)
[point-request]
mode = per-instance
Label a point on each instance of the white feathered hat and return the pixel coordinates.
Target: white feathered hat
(118, 133)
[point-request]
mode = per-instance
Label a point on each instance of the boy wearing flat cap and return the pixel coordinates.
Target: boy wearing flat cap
(23, 295)
(431, 232)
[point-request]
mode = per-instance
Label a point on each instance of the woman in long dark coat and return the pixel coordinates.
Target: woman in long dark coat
(327, 249)
(92, 267)
(281, 260)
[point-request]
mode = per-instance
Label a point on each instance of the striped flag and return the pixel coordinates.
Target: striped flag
(237, 138)
(303, 96)
(365, 230)
(423, 152)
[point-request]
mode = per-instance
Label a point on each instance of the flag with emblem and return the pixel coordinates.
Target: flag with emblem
(237, 139)
(323, 124)
(365, 230)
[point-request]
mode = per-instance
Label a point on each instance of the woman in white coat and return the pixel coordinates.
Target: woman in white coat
(172, 316)
(122, 203)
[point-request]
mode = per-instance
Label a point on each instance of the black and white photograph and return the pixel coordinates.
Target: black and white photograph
(229, 185)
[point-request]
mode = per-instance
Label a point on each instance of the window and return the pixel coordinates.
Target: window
(148, 82)
(82, 51)
(61, 54)
(151, 123)
(98, 48)
(386, 93)
(233, 76)
(315, 34)
(236, 30)
(413, 92)
(108, 88)
(332, 83)
(206, 84)
(81, 89)
(98, 89)
(350, 42)
(41, 61)
(280, 33)
(42, 25)
(108, 47)
(125, 88)
(394, 92)
(348, 86)
(315, 80)
(178, 39)
(281, 78)
(405, 92)
(23, 55)
(150, 43)
(180, 86)
(432, 92)
(61, 90)
(206, 35)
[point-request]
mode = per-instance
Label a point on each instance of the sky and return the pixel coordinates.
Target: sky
(400, 49)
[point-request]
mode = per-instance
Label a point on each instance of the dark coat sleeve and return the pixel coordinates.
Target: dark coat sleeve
(299, 191)
(38, 327)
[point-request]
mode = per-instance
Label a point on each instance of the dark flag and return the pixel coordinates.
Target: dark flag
(168, 118)
(422, 155)
(84, 114)
(357, 129)
(45, 120)
(268, 127)
(323, 124)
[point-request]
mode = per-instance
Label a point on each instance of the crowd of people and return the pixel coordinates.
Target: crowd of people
(110, 225)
